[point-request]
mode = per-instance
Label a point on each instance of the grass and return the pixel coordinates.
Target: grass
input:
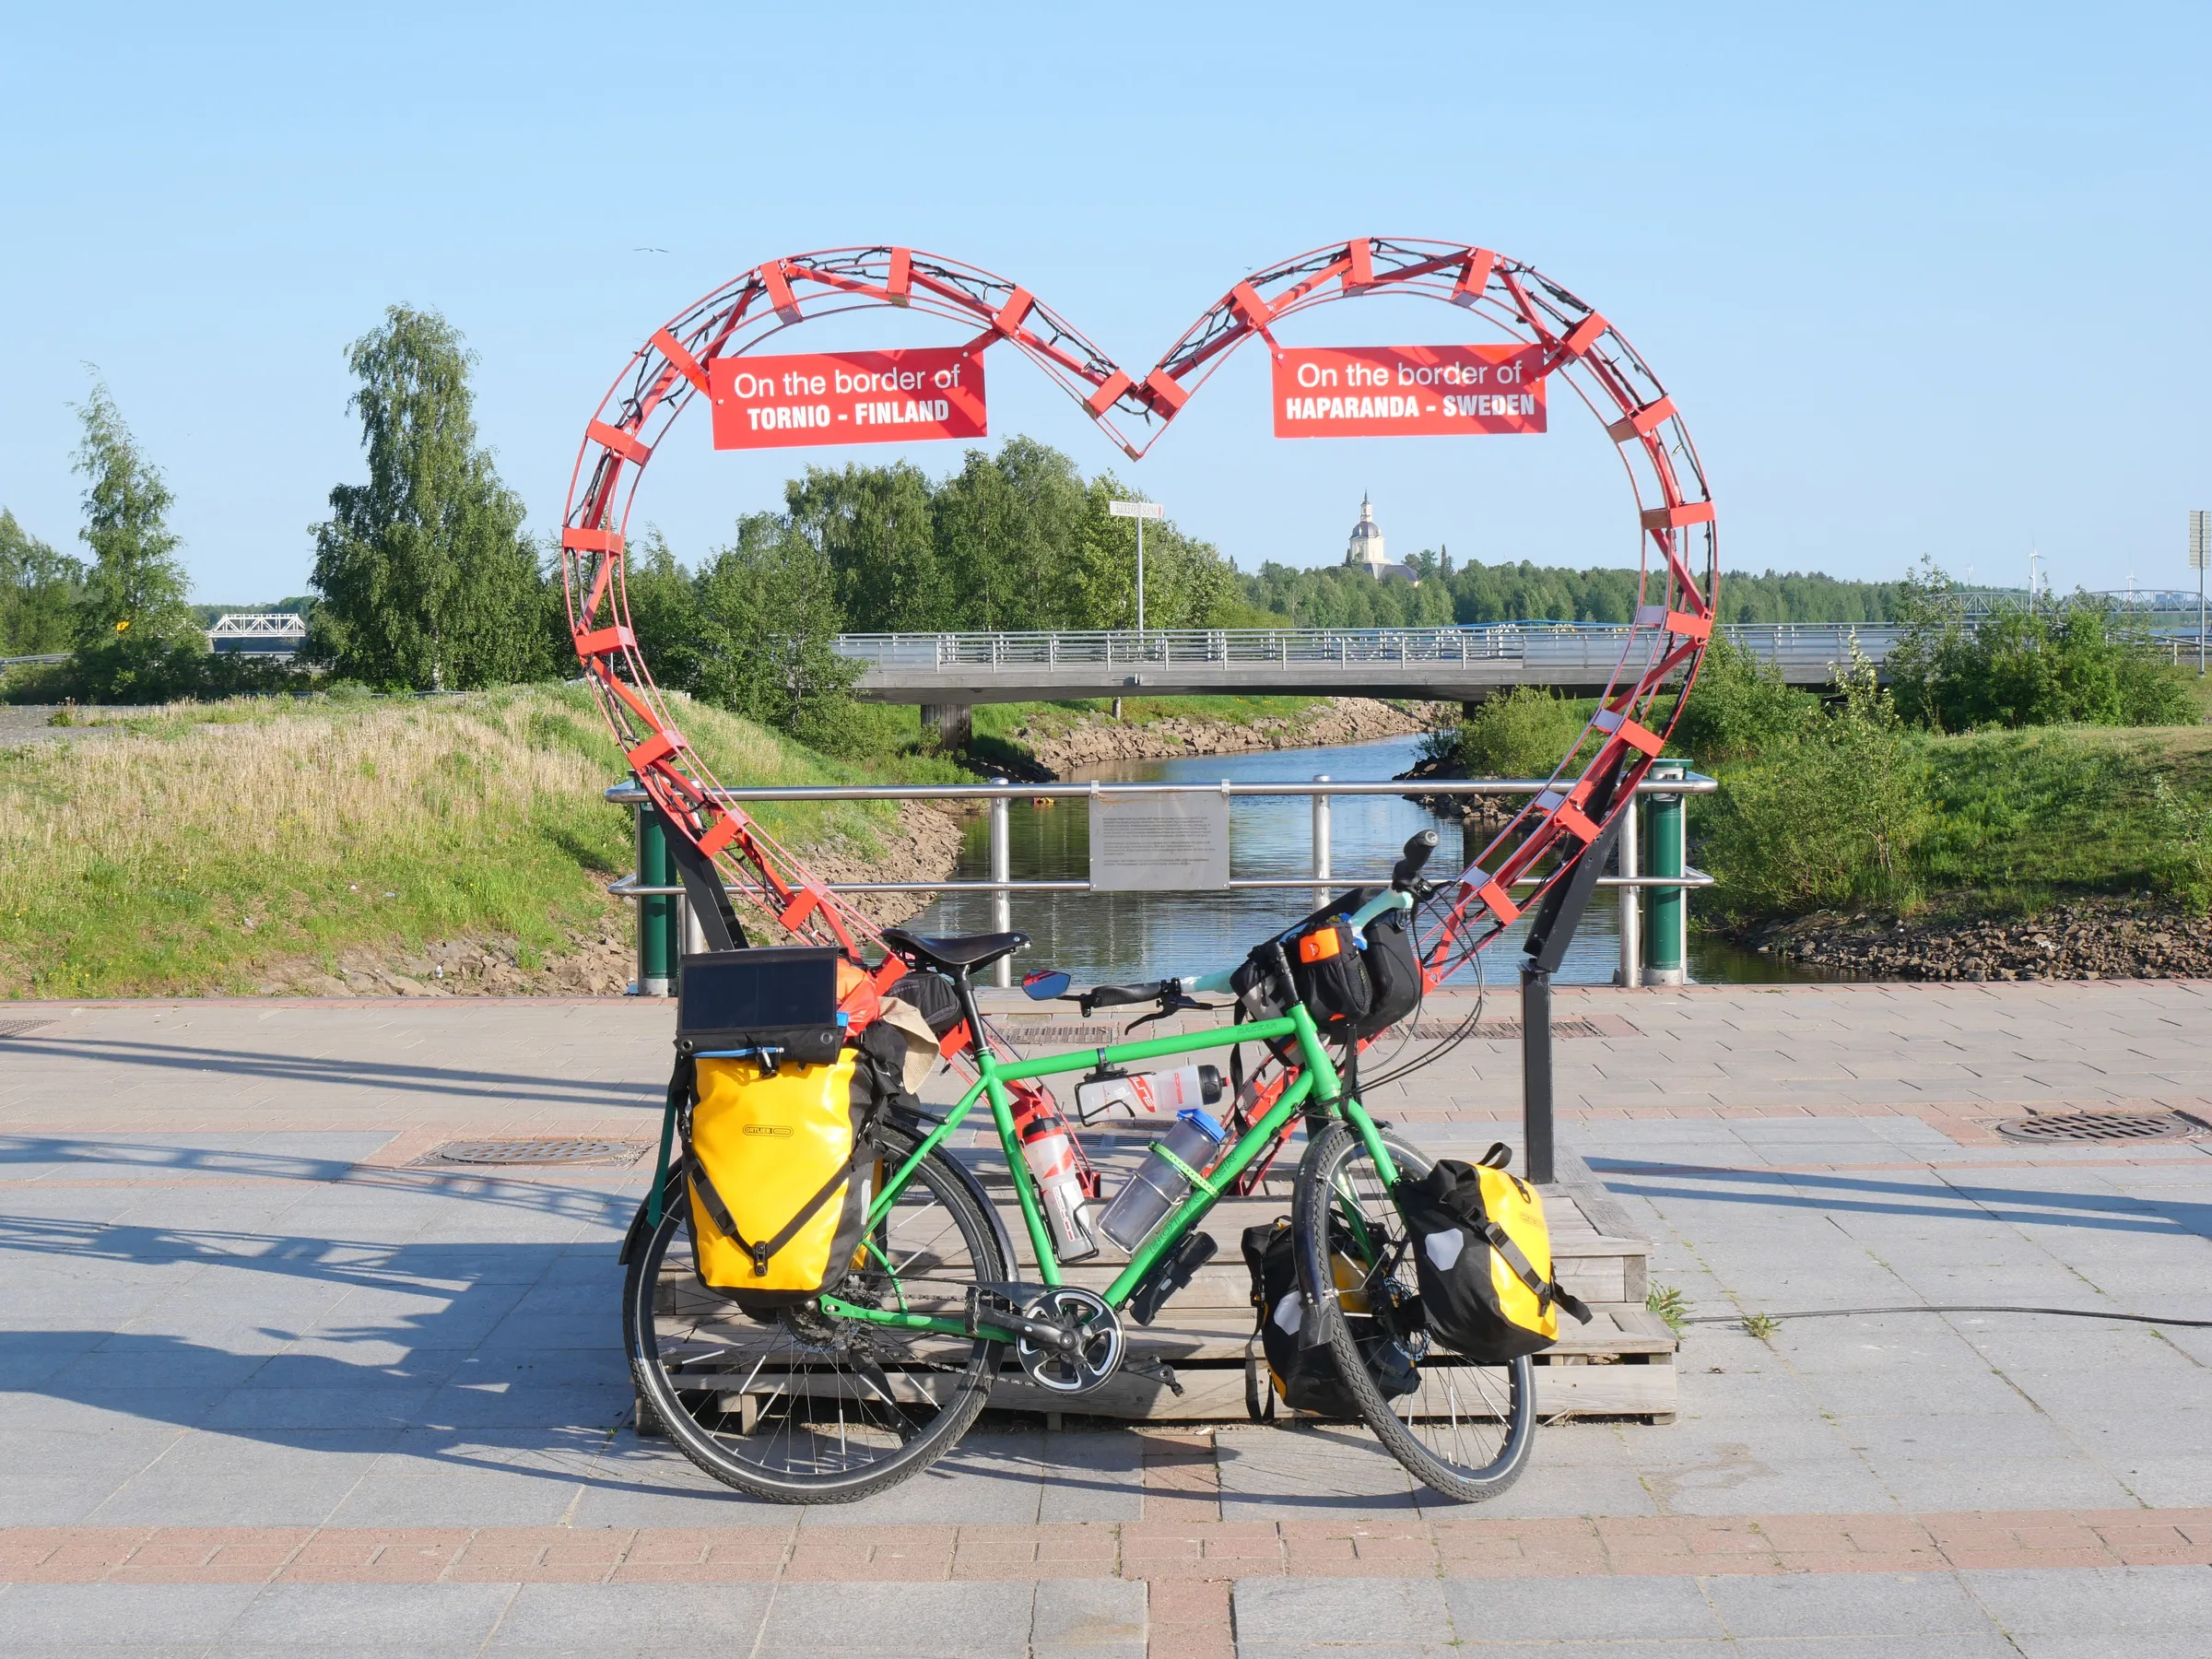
(204, 842)
(2002, 823)
(1668, 1302)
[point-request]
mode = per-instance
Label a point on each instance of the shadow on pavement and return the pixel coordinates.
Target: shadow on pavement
(352, 1071)
(1951, 1200)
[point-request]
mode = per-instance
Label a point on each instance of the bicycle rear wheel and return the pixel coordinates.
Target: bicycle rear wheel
(800, 1408)
(1465, 1431)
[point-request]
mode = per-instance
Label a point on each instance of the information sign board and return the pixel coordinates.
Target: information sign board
(1409, 391)
(847, 398)
(1158, 844)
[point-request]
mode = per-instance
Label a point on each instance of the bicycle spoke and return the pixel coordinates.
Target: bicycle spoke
(793, 1402)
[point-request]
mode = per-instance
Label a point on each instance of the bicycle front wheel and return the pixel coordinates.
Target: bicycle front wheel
(801, 1407)
(1465, 1431)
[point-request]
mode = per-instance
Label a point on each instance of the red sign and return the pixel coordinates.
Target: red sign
(1407, 391)
(847, 398)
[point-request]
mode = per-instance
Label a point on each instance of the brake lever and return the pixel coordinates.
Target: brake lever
(1172, 1003)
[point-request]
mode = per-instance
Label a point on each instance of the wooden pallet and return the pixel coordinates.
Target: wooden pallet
(1621, 1364)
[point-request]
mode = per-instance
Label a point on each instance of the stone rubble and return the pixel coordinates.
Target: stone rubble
(1093, 738)
(2124, 937)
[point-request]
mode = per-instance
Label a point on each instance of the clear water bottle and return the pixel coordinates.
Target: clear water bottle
(1161, 1091)
(1163, 1180)
(1057, 1166)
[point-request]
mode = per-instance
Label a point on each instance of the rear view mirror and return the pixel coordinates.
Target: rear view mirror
(1044, 984)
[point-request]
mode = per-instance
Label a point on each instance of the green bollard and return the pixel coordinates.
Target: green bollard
(1666, 910)
(657, 916)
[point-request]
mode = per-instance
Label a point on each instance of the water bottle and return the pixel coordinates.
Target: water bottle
(1049, 1151)
(1168, 1091)
(1163, 1180)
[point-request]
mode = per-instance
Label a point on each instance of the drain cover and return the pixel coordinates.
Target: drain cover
(22, 1028)
(2101, 1126)
(537, 1152)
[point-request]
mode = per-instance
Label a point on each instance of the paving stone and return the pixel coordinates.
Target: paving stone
(659, 1619)
(364, 1618)
(1310, 1613)
(1891, 1605)
(2109, 1602)
(1088, 1619)
(64, 1616)
(1595, 1609)
(971, 1620)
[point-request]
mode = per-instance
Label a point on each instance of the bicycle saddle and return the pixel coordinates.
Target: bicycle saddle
(964, 950)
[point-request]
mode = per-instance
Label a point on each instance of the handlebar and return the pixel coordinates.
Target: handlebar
(1115, 996)
(1417, 854)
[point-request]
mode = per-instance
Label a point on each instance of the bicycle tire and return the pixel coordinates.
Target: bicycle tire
(1439, 1432)
(856, 1408)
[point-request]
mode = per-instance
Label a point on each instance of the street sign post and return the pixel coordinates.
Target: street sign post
(1140, 511)
(2200, 555)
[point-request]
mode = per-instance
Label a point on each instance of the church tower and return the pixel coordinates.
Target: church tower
(1365, 549)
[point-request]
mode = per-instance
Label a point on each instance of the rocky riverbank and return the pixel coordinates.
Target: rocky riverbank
(602, 960)
(1058, 743)
(2085, 940)
(1487, 813)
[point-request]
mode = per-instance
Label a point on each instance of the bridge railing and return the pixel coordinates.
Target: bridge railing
(1553, 644)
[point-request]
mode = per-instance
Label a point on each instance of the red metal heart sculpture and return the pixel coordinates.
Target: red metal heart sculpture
(1594, 782)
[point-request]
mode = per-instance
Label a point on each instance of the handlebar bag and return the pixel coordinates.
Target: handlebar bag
(780, 1175)
(1304, 1378)
(1353, 987)
(1483, 1255)
(1393, 972)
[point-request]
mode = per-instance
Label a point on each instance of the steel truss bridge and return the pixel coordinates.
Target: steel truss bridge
(1463, 664)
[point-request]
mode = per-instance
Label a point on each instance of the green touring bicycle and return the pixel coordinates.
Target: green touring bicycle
(851, 1392)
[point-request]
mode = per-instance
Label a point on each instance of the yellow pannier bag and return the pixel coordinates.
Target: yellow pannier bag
(779, 1188)
(1483, 1255)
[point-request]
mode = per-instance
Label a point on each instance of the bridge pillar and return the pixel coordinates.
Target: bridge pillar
(954, 724)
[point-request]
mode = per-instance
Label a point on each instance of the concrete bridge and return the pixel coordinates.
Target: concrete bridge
(1461, 665)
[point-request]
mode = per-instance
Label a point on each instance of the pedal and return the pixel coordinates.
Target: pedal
(1159, 1371)
(1170, 1274)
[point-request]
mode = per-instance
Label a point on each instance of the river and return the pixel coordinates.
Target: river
(1116, 936)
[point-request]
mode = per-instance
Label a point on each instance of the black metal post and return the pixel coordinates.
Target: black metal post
(1556, 919)
(1535, 1071)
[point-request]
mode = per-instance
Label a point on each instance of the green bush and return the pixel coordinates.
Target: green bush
(1741, 707)
(1520, 734)
(1836, 817)
(1835, 820)
(2074, 662)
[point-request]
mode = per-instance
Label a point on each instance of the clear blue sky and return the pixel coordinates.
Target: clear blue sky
(1924, 278)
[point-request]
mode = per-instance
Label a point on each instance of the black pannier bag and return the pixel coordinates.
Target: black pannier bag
(1483, 1255)
(1306, 1378)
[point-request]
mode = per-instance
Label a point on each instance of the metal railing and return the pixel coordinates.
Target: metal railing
(1667, 794)
(1229, 647)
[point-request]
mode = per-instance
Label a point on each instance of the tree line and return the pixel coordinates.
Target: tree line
(425, 577)
(1346, 597)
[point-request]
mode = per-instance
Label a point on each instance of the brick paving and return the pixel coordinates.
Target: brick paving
(1173, 1549)
(267, 1382)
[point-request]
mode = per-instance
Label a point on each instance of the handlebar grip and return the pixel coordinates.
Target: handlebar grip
(1417, 854)
(1115, 996)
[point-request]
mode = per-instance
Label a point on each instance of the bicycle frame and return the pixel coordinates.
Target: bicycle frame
(1317, 1080)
